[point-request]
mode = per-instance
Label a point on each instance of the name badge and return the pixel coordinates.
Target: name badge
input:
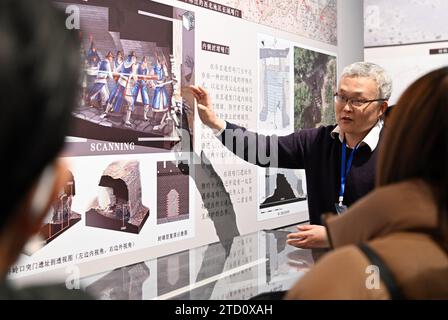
(340, 208)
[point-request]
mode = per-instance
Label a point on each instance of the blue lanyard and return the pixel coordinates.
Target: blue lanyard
(345, 169)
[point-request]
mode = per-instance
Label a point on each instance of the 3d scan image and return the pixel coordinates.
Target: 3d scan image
(282, 187)
(172, 191)
(62, 216)
(119, 202)
(274, 74)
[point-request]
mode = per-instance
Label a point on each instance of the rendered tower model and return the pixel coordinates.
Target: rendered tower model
(119, 202)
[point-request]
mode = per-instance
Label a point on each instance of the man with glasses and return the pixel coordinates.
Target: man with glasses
(339, 160)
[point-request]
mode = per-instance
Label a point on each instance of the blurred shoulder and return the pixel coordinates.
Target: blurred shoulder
(340, 274)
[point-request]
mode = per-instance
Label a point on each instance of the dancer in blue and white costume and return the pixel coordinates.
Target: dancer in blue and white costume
(118, 61)
(160, 100)
(141, 86)
(100, 88)
(122, 91)
(116, 65)
(93, 57)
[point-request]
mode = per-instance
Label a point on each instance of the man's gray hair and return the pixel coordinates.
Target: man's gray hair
(374, 72)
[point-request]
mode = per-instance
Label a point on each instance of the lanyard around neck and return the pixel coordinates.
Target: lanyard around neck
(345, 168)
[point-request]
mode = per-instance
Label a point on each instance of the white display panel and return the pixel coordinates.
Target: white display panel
(408, 38)
(406, 64)
(401, 22)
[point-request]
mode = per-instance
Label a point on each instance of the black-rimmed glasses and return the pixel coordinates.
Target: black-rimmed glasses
(339, 99)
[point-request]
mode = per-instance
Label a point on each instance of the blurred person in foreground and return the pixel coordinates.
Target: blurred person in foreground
(39, 70)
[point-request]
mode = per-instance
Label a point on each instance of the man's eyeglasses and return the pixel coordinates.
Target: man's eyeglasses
(340, 99)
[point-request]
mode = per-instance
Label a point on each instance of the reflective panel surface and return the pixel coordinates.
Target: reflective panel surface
(240, 268)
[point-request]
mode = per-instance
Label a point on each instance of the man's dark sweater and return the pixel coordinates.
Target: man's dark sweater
(316, 151)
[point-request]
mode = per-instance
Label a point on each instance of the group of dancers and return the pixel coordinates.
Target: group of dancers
(130, 78)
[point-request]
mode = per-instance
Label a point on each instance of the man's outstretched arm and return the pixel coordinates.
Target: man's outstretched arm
(266, 151)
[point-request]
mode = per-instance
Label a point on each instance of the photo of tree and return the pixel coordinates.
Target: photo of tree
(314, 86)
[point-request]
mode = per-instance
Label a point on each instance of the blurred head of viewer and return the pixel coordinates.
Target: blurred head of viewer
(39, 70)
(405, 219)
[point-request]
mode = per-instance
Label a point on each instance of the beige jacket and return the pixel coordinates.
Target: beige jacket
(392, 220)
